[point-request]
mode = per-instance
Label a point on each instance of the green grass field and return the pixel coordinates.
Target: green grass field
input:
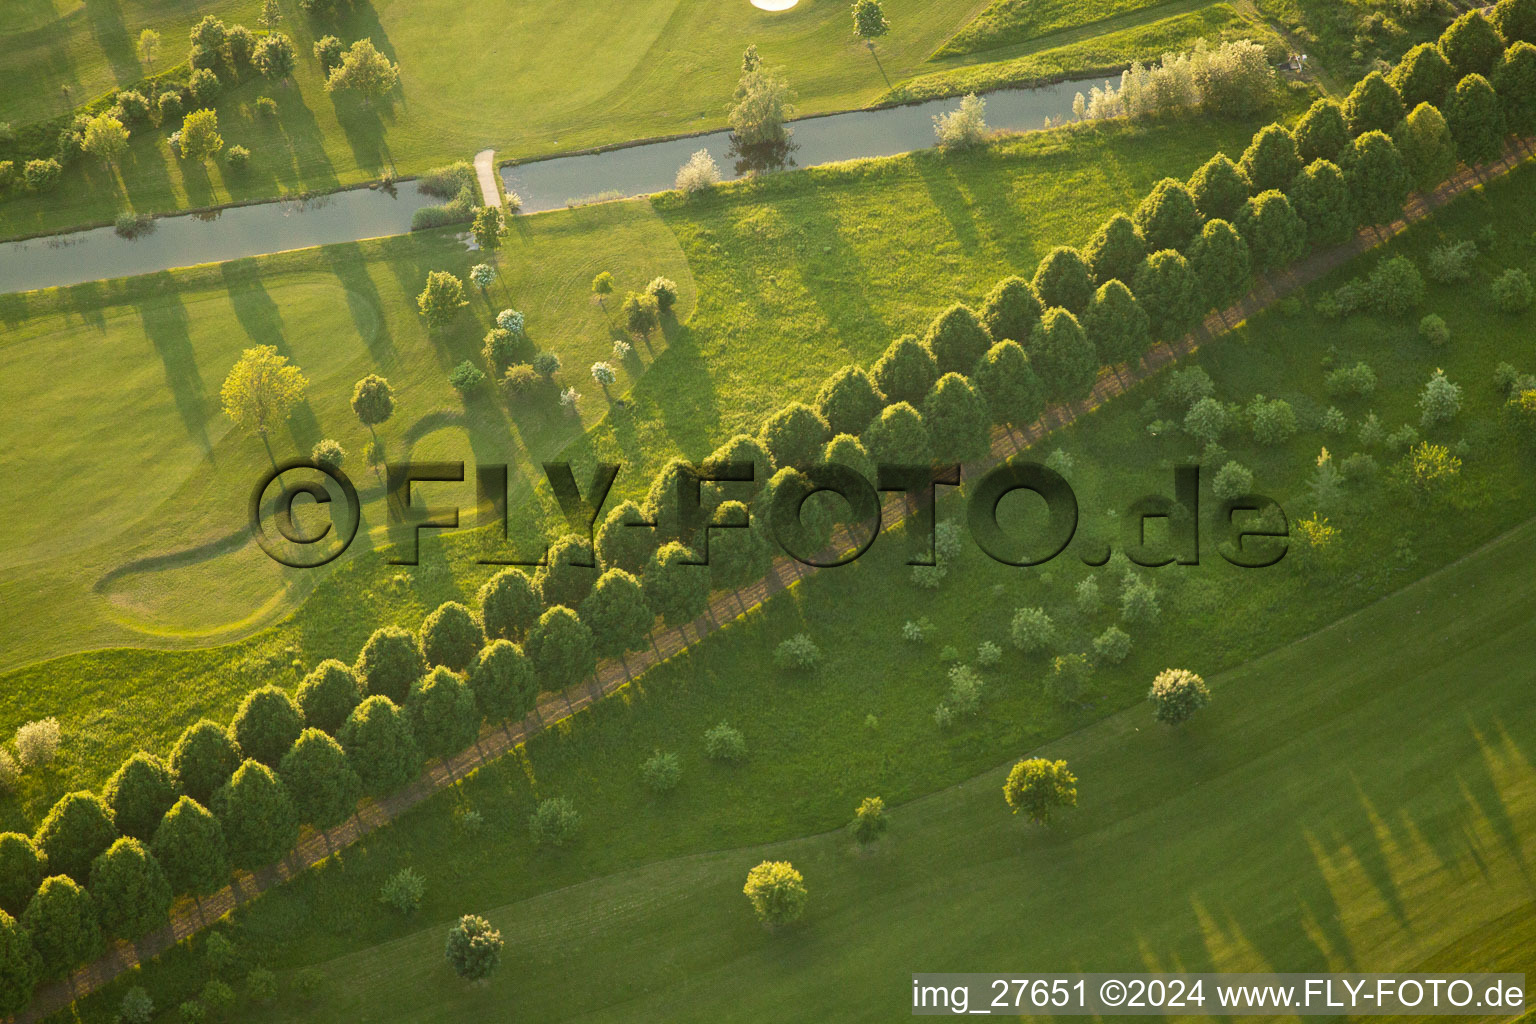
(743, 351)
(1017, 21)
(1317, 766)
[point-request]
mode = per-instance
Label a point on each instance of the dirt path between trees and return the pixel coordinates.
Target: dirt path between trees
(189, 917)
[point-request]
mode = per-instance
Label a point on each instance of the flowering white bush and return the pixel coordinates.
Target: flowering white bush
(964, 127)
(510, 320)
(37, 743)
(568, 399)
(699, 173)
(1234, 79)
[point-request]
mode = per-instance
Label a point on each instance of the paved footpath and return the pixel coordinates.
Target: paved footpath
(485, 168)
(191, 916)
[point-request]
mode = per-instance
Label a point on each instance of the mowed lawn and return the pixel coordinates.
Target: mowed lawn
(525, 77)
(1361, 800)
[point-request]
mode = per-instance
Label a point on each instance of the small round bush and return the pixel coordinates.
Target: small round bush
(1112, 646)
(136, 1008)
(403, 891)
(869, 820)
(1177, 694)
(1032, 630)
(723, 743)
(37, 743)
(1433, 330)
(218, 997)
(465, 377)
(238, 157)
(266, 106)
(42, 175)
(1232, 480)
(261, 986)
(132, 107)
(661, 772)
(776, 891)
(474, 947)
(328, 452)
(1512, 291)
(799, 653)
(988, 654)
(170, 106)
(554, 822)
(191, 1012)
(665, 292)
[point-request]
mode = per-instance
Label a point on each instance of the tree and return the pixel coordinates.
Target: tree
(795, 435)
(1063, 279)
(328, 694)
(1270, 161)
(957, 419)
(261, 389)
(957, 339)
(132, 895)
(149, 46)
(442, 713)
(1515, 81)
(1011, 311)
(275, 57)
(569, 572)
(617, 614)
(1221, 264)
(674, 587)
(199, 137)
(22, 867)
(20, 967)
(390, 662)
(777, 892)
(1168, 291)
(1515, 20)
(740, 556)
(1063, 357)
(139, 794)
(451, 636)
(61, 921)
(738, 449)
(1008, 383)
(509, 604)
(379, 745)
(869, 820)
(1372, 106)
(869, 20)
(602, 285)
(1219, 188)
(848, 401)
(699, 172)
(1427, 148)
(257, 815)
(77, 829)
(105, 138)
(1177, 694)
(1471, 45)
(1037, 788)
(487, 228)
(1321, 134)
(271, 14)
(1276, 236)
(604, 375)
(319, 779)
(474, 948)
(503, 683)
(364, 70)
(1320, 198)
(1113, 253)
(442, 298)
(1476, 120)
(626, 540)
(761, 108)
(203, 759)
(664, 291)
(1168, 218)
(898, 436)
(373, 401)
(810, 529)
(642, 314)
(906, 371)
(1378, 179)
(560, 647)
(266, 724)
(1422, 76)
(189, 844)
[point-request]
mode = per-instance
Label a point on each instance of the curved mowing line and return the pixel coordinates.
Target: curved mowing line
(191, 917)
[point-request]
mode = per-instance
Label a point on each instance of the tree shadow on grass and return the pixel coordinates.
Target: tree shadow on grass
(166, 325)
(364, 303)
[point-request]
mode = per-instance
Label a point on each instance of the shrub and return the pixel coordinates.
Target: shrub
(723, 743)
(37, 743)
(988, 654)
(1273, 420)
(1032, 630)
(776, 892)
(136, 1007)
(799, 653)
(266, 106)
(261, 986)
(1186, 387)
(1395, 286)
(328, 51)
(1138, 603)
(328, 452)
(661, 772)
(1432, 329)
(1512, 291)
(78, 828)
(130, 890)
(204, 87)
(1356, 381)
(1038, 788)
(403, 891)
(1439, 401)
(1069, 672)
(869, 820)
(1177, 694)
(10, 772)
(139, 794)
(266, 724)
(218, 997)
(191, 1012)
(132, 107)
(554, 822)
(1112, 646)
(1206, 420)
(1232, 480)
(474, 947)
(237, 157)
(1451, 262)
(963, 127)
(170, 105)
(699, 173)
(965, 689)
